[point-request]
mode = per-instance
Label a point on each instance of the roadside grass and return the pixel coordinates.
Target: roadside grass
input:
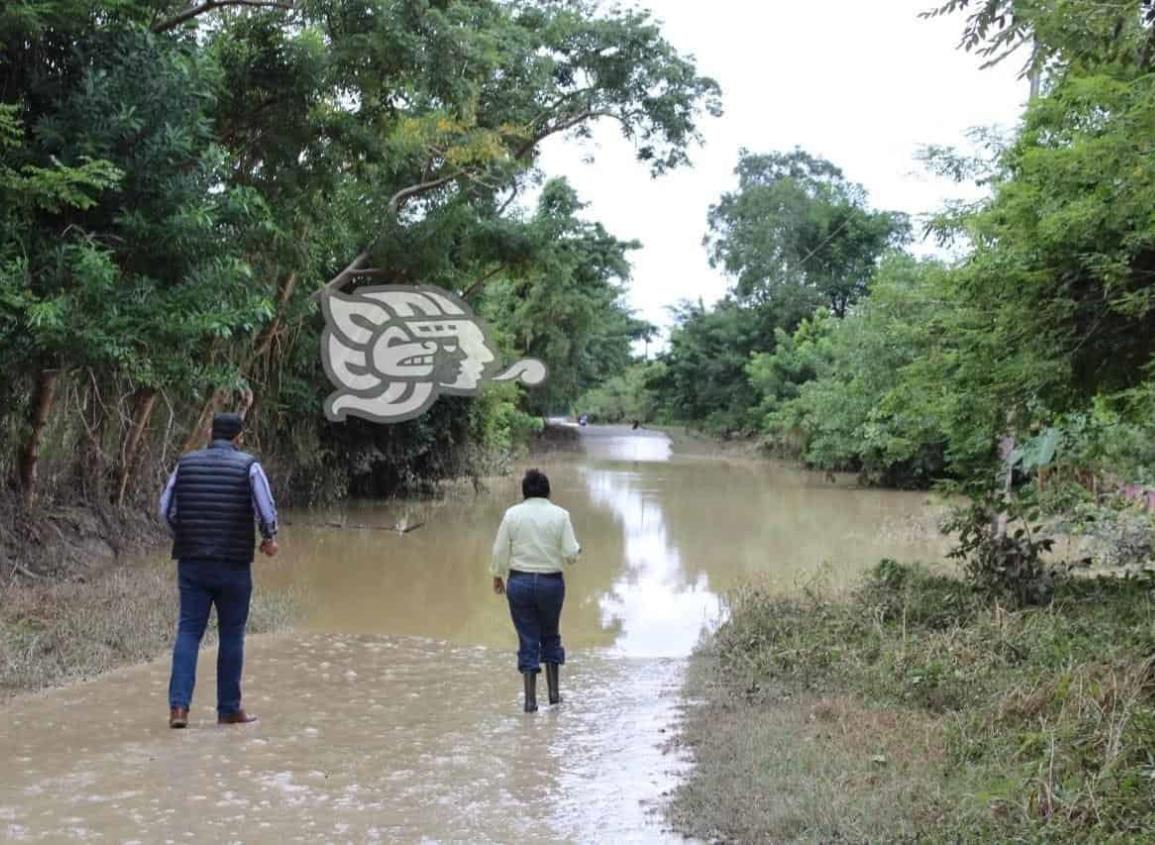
(916, 711)
(52, 634)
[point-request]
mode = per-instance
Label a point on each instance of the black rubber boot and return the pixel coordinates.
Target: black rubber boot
(530, 691)
(552, 681)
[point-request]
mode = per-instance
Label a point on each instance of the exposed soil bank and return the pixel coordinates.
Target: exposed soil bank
(56, 633)
(73, 540)
(62, 542)
(85, 589)
(917, 711)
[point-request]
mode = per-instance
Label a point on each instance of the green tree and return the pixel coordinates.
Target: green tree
(627, 396)
(178, 179)
(134, 282)
(703, 380)
(798, 238)
(1057, 36)
(569, 309)
(865, 393)
(796, 235)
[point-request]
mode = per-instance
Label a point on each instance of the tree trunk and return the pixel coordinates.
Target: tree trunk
(92, 463)
(199, 434)
(30, 453)
(145, 403)
(263, 346)
(268, 334)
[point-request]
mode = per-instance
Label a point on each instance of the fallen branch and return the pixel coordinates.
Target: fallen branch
(394, 528)
(18, 568)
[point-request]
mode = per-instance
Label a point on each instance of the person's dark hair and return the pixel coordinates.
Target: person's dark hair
(535, 484)
(227, 426)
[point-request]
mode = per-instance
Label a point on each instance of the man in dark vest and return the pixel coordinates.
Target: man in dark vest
(209, 504)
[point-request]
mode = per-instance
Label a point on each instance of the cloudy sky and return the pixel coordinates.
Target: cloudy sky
(863, 84)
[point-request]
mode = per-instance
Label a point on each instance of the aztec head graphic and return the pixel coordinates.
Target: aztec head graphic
(391, 351)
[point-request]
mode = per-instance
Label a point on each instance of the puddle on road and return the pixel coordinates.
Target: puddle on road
(393, 715)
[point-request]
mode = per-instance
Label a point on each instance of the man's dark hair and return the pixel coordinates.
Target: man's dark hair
(535, 484)
(227, 426)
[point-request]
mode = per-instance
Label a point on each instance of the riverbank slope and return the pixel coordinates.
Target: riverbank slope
(915, 709)
(58, 632)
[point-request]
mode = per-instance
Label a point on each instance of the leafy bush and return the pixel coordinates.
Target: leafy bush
(840, 389)
(1001, 552)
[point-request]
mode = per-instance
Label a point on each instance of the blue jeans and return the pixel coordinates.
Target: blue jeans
(204, 583)
(535, 604)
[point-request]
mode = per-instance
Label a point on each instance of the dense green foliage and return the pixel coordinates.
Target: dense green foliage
(567, 309)
(797, 236)
(177, 180)
(849, 393)
(625, 397)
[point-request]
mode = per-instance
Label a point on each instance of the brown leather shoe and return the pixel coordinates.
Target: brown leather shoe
(238, 718)
(178, 717)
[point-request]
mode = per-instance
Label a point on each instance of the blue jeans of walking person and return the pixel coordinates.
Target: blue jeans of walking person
(204, 583)
(535, 602)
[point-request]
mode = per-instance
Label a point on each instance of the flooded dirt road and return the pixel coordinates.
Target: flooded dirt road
(392, 713)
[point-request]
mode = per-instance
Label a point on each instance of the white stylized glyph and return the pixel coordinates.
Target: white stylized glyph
(390, 351)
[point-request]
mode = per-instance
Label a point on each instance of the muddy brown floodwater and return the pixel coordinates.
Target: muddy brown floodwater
(391, 713)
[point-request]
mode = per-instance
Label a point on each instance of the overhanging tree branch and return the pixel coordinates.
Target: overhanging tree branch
(480, 282)
(565, 125)
(405, 194)
(338, 281)
(512, 196)
(209, 5)
(394, 206)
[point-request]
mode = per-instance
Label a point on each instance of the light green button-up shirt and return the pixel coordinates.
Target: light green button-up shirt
(535, 536)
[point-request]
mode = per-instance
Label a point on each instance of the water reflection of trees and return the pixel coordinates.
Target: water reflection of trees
(655, 608)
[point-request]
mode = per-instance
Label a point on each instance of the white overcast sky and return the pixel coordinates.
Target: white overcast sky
(863, 84)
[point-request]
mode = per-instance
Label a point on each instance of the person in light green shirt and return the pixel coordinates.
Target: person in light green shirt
(535, 541)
